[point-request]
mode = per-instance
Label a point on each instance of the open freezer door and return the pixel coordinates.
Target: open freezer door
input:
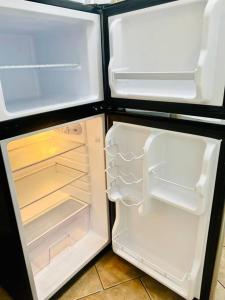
(167, 51)
(162, 180)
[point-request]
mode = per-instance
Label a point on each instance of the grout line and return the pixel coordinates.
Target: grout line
(116, 286)
(84, 297)
(148, 293)
(221, 284)
(122, 282)
(99, 277)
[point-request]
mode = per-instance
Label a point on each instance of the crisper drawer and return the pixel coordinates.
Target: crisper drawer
(51, 233)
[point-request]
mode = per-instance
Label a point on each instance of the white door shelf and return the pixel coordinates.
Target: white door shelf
(161, 268)
(56, 230)
(169, 52)
(43, 182)
(50, 58)
(178, 170)
(153, 76)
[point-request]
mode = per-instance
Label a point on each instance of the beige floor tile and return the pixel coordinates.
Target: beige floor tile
(157, 291)
(4, 295)
(220, 292)
(87, 284)
(221, 276)
(114, 270)
(130, 290)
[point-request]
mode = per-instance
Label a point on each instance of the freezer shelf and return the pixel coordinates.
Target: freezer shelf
(43, 182)
(45, 66)
(55, 231)
(40, 151)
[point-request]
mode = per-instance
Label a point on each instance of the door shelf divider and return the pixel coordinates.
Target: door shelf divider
(44, 182)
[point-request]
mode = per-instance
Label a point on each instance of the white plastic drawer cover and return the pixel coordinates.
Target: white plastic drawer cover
(170, 52)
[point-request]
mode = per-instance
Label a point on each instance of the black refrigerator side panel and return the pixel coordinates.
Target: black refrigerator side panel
(13, 272)
(216, 222)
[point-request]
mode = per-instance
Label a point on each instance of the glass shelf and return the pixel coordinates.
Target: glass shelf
(40, 151)
(53, 218)
(42, 183)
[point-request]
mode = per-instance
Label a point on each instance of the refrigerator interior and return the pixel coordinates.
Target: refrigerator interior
(163, 184)
(169, 52)
(57, 179)
(49, 58)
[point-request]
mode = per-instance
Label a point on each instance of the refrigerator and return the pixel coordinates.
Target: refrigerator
(91, 156)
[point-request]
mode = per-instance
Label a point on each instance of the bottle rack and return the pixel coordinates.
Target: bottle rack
(111, 150)
(124, 152)
(43, 66)
(116, 173)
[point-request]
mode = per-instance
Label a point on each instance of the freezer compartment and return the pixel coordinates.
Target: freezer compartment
(55, 231)
(169, 52)
(41, 66)
(58, 189)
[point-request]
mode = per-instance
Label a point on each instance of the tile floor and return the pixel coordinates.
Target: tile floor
(112, 278)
